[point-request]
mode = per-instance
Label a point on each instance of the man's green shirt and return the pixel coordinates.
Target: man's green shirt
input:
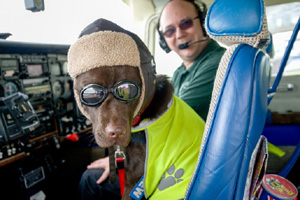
(195, 84)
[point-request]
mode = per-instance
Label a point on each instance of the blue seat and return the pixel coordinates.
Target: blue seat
(238, 110)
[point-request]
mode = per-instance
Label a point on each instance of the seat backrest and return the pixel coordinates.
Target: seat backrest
(239, 102)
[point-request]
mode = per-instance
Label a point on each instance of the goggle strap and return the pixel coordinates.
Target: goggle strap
(138, 117)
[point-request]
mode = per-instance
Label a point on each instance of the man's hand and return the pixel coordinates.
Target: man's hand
(102, 163)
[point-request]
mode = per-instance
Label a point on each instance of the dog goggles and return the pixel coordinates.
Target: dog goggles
(183, 25)
(125, 91)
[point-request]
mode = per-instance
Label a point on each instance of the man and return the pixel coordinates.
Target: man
(181, 29)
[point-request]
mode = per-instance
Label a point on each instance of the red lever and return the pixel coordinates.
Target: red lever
(73, 137)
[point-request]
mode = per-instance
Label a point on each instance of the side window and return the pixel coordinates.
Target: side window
(166, 63)
(281, 22)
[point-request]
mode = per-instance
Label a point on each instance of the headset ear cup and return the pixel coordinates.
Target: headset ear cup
(162, 42)
(202, 24)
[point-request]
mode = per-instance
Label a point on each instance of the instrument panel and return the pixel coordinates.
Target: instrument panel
(40, 72)
(34, 156)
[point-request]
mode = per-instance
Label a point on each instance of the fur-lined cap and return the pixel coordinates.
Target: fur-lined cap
(104, 43)
(105, 48)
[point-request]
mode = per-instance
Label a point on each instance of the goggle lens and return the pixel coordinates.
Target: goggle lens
(93, 95)
(126, 91)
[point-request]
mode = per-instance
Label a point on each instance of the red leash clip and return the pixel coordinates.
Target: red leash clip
(120, 157)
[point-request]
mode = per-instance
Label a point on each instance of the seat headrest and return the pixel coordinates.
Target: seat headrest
(235, 22)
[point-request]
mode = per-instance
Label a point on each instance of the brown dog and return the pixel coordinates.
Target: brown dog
(115, 86)
(112, 120)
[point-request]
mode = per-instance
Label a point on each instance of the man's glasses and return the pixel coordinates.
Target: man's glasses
(125, 91)
(183, 25)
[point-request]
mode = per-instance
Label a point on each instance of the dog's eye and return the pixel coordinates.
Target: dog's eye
(93, 95)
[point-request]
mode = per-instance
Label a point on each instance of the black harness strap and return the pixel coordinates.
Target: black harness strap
(112, 166)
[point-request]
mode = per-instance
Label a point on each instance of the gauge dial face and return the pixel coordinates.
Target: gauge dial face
(58, 88)
(10, 88)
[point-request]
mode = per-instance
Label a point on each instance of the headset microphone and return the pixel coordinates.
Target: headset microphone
(186, 45)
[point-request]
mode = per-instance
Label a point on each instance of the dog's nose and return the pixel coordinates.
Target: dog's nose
(114, 132)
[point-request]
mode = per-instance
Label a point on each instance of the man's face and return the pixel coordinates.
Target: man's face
(174, 15)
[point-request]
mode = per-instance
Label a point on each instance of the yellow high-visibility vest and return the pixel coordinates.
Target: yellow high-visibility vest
(173, 144)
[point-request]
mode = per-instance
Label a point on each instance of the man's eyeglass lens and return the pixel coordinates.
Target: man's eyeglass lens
(184, 25)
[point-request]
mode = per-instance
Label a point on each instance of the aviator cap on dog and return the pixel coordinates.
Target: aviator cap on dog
(104, 43)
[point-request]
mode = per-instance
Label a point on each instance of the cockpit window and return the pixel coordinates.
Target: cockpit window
(61, 22)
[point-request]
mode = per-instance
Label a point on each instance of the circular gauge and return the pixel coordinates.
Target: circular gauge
(58, 88)
(65, 68)
(10, 88)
